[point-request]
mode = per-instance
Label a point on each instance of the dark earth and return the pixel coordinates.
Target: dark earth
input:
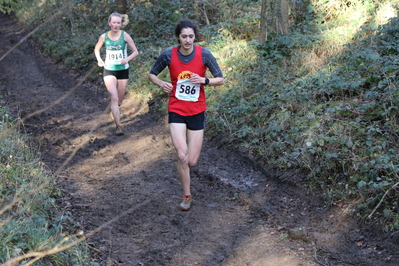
(243, 214)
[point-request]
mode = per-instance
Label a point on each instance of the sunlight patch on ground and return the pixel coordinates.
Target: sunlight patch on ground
(260, 249)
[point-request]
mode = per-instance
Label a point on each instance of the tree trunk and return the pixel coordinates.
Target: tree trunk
(201, 6)
(121, 6)
(273, 18)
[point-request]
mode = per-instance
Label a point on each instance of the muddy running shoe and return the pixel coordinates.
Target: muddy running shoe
(186, 203)
(119, 131)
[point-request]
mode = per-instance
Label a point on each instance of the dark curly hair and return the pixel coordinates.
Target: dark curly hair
(187, 23)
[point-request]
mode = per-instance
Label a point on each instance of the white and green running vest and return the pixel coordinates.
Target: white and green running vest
(115, 52)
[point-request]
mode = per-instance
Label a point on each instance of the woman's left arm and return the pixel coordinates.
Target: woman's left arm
(132, 46)
(213, 66)
(218, 81)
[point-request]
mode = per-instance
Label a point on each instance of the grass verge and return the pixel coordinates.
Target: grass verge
(31, 223)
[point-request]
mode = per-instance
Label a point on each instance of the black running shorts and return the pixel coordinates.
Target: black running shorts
(120, 74)
(194, 122)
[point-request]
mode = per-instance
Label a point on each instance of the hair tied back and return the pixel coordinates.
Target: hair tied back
(125, 19)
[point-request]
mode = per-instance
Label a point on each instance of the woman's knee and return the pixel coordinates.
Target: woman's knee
(192, 163)
(183, 157)
(193, 159)
(114, 98)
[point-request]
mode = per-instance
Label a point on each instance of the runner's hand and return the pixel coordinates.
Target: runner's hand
(167, 87)
(196, 79)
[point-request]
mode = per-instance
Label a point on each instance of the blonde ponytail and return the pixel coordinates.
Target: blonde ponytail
(125, 20)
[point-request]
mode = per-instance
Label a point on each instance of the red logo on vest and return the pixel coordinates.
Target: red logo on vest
(184, 75)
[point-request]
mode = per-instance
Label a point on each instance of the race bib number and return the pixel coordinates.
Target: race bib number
(187, 91)
(114, 57)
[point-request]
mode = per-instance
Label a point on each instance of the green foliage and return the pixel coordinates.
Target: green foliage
(31, 223)
(8, 6)
(237, 19)
(155, 20)
(339, 125)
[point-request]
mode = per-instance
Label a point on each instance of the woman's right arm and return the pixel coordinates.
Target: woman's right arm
(166, 86)
(161, 63)
(97, 48)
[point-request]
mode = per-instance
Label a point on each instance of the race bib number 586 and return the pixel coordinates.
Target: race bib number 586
(187, 91)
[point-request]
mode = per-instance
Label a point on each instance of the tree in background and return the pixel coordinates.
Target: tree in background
(273, 18)
(121, 6)
(201, 6)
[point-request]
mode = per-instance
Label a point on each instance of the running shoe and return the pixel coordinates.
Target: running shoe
(119, 131)
(186, 203)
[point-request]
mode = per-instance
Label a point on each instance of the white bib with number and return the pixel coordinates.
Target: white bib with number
(114, 57)
(187, 91)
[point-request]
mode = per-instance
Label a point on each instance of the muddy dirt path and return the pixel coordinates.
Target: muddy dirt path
(242, 215)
